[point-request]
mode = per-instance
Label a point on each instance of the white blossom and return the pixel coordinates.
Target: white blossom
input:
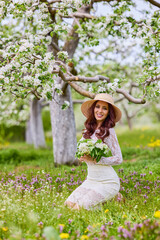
(50, 68)
(37, 82)
(67, 103)
(151, 68)
(57, 85)
(101, 89)
(99, 145)
(37, 63)
(29, 13)
(116, 80)
(2, 3)
(6, 79)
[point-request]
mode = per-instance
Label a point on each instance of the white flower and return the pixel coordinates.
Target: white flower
(37, 82)
(27, 78)
(147, 54)
(99, 145)
(116, 80)
(101, 89)
(48, 39)
(57, 85)
(139, 33)
(37, 63)
(109, 85)
(24, 69)
(114, 2)
(148, 21)
(67, 103)
(84, 148)
(16, 64)
(22, 48)
(1, 12)
(152, 42)
(62, 54)
(50, 69)
(6, 80)
(151, 68)
(29, 13)
(2, 3)
(90, 89)
(48, 56)
(122, 3)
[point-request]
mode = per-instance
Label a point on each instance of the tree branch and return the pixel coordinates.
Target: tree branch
(155, 3)
(87, 79)
(81, 90)
(130, 116)
(79, 101)
(34, 5)
(64, 86)
(119, 100)
(93, 1)
(133, 85)
(55, 46)
(149, 80)
(54, 1)
(129, 97)
(72, 39)
(77, 15)
(84, 79)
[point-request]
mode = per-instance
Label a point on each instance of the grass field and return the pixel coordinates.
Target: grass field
(33, 192)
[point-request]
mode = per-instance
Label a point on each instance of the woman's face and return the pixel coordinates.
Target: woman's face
(101, 111)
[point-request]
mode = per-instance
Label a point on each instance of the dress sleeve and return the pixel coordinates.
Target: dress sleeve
(112, 142)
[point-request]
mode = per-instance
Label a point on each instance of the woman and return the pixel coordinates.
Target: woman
(102, 182)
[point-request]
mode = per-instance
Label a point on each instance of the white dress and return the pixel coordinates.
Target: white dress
(102, 182)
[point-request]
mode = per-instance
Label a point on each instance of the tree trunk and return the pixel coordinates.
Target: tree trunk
(63, 130)
(129, 120)
(63, 121)
(35, 131)
(28, 133)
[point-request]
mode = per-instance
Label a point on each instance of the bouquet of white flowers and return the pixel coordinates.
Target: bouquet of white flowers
(96, 149)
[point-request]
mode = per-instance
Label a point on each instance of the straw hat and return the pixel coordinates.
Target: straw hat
(101, 97)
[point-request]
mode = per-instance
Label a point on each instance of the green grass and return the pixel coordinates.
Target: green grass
(27, 214)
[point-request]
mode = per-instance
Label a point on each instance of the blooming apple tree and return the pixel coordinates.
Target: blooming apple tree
(29, 26)
(40, 41)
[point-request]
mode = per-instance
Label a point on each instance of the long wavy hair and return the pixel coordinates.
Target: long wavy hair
(91, 123)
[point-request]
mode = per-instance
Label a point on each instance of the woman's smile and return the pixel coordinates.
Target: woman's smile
(99, 115)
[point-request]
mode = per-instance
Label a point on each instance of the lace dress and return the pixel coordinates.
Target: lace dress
(102, 182)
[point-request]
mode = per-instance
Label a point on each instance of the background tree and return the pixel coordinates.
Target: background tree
(25, 113)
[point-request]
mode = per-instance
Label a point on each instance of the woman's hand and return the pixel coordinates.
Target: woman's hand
(87, 158)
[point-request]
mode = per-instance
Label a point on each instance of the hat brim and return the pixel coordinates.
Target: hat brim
(86, 106)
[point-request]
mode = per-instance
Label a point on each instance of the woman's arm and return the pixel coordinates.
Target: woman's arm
(112, 142)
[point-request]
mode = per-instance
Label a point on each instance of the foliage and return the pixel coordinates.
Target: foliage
(46, 119)
(12, 133)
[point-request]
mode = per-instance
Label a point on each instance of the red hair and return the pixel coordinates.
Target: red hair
(91, 123)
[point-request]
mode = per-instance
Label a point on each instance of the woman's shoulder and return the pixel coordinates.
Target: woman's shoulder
(112, 131)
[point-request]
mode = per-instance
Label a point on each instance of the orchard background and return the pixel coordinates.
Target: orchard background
(53, 56)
